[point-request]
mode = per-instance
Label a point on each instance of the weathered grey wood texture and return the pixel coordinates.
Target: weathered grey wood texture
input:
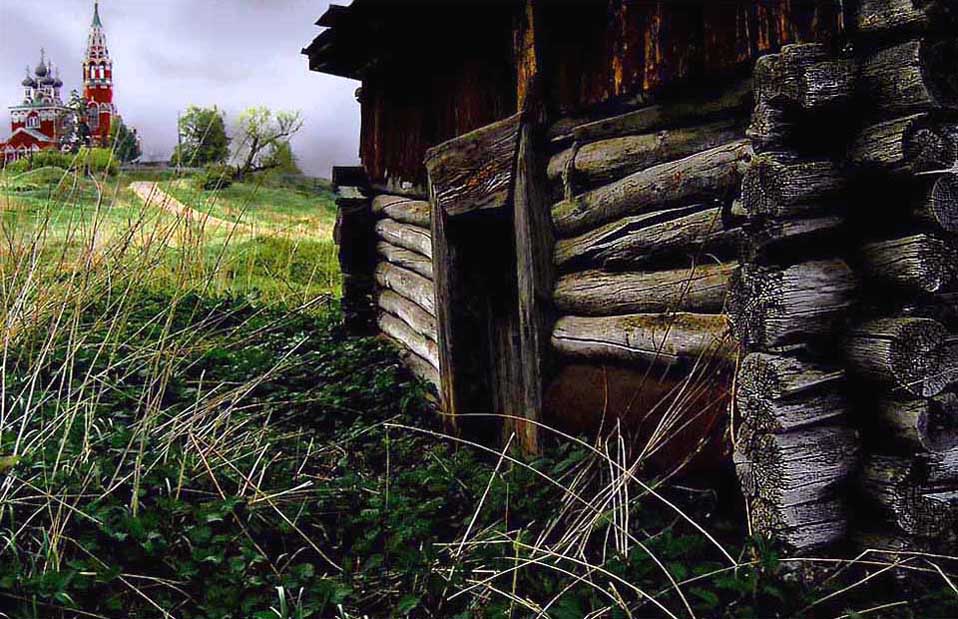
(402, 209)
(771, 306)
(475, 171)
(713, 174)
(646, 338)
(698, 288)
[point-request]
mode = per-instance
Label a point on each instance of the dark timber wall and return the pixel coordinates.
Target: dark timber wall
(727, 224)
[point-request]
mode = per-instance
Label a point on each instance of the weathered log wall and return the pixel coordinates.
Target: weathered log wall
(795, 447)
(405, 294)
(647, 241)
(800, 226)
(386, 256)
(899, 350)
(854, 330)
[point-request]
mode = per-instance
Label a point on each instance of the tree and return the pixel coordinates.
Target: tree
(282, 159)
(263, 135)
(125, 143)
(203, 139)
(75, 133)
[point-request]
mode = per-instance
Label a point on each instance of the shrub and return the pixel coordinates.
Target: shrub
(89, 160)
(50, 158)
(18, 167)
(98, 161)
(215, 177)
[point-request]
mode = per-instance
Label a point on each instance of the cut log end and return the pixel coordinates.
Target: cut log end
(907, 353)
(771, 307)
(802, 527)
(920, 425)
(942, 203)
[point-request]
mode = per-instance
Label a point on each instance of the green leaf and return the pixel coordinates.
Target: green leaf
(407, 603)
(8, 462)
(711, 599)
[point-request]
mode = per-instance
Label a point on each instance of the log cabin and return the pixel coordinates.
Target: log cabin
(728, 224)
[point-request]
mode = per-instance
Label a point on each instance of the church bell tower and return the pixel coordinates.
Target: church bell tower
(98, 82)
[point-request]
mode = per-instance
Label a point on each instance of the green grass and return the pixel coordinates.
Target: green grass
(282, 250)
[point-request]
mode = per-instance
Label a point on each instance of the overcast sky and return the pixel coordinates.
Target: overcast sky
(168, 54)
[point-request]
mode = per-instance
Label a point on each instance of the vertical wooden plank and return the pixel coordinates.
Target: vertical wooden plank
(534, 242)
(444, 274)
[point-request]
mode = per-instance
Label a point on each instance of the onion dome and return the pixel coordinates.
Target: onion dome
(41, 70)
(29, 82)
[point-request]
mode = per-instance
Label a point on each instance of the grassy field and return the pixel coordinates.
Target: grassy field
(282, 250)
(185, 431)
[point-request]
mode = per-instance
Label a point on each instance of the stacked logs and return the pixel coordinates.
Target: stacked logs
(646, 236)
(794, 446)
(900, 351)
(405, 296)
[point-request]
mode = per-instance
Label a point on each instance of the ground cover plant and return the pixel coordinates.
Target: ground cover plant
(186, 432)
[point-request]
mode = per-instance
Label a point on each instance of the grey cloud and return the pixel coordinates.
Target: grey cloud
(169, 54)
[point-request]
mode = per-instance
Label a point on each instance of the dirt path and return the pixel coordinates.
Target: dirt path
(151, 193)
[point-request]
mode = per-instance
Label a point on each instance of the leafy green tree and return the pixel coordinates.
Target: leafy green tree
(125, 143)
(262, 135)
(203, 139)
(283, 159)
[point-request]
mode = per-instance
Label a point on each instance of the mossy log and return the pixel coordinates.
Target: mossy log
(782, 394)
(734, 101)
(692, 230)
(785, 186)
(889, 483)
(402, 209)
(886, 17)
(406, 236)
(398, 330)
(407, 284)
(418, 319)
(801, 527)
(909, 145)
(937, 206)
(770, 307)
(919, 262)
(798, 467)
(653, 338)
(613, 158)
(414, 261)
(908, 354)
(699, 288)
(713, 174)
(920, 424)
(915, 76)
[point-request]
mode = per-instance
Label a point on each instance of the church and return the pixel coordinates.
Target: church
(43, 120)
